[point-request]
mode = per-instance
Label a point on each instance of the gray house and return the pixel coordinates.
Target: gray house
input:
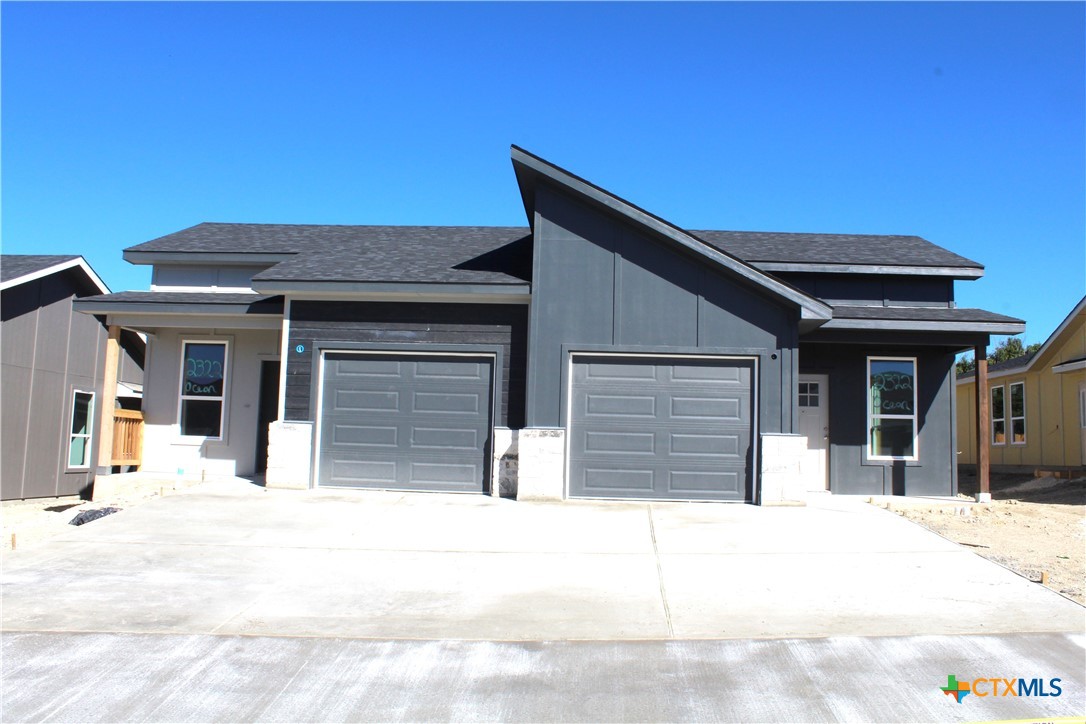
(599, 352)
(51, 376)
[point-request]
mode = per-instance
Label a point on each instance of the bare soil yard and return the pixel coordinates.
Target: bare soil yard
(1033, 526)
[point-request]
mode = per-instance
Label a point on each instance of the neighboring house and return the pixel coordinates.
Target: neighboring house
(51, 378)
(1037, 403)
(600, 352)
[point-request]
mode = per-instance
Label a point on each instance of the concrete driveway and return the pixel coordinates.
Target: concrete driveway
(232, 603)
(233, 558)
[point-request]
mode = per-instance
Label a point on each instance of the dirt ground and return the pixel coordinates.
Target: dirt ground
(1033, 526)
(26, 523)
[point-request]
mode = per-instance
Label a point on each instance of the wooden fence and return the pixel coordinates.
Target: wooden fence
(127, 437)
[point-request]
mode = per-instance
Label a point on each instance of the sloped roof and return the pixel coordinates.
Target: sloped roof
(181, 303)
(837, 249)
(1027, 361)
(13, 266)
(16, 269)
(531, 170)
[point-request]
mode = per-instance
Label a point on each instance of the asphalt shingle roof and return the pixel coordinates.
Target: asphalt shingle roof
(257, 303)
(921, 314)
(859, 249)
(498, 254)
(13, 266)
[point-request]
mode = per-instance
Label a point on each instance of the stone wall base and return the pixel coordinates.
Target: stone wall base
(541, 464)
(781, 481)
(290, 455)
(504, 463)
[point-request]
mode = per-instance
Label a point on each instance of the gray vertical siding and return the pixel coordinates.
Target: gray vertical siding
(361, 323)
(850, 472)
(599, 282)
(47, 352)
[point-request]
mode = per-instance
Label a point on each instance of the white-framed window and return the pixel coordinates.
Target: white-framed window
(808, 394)
(201, 408)
(998, 411)
(79, 433)
(1018, 413)
(891, 408)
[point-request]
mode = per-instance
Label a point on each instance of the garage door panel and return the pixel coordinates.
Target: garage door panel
(724, 409)
(619, 405)
(607, 480)
(608, 371)
(703, 481)
(442, 474)
(711, 374)
(447, 403)
(445, 438)
(347, 400)
(625, 443)
(367, 368)
(368, 435)
(661, 428)
(345, 471)
(705, 445)
(439, 371)
(405, 422)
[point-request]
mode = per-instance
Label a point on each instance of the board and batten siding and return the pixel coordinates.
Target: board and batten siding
(851, 473)
(357, 324)
(49, 351)
(600, 283)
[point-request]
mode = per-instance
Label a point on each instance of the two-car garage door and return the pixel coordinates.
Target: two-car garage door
(639, 427)
(647, 427)
(409, 422)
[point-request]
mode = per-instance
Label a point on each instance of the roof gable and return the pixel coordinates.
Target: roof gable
(16, 269)
(531, 169)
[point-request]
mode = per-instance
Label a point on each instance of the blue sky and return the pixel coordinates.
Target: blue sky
(962, 123)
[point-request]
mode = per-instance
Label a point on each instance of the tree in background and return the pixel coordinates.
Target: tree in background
(1010, 348)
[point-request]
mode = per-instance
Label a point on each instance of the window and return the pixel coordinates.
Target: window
(891, 408)
(1018, 413)
(999, 417)
(203, 389)
(79, 438)
(808, 394)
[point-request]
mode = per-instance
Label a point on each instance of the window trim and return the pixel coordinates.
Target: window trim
(89, 436)
(915, 417)
(992, 419)
(181, 397)
(1011, 416)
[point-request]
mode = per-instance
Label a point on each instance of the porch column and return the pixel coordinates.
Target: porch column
(107, 402)
(980, 353)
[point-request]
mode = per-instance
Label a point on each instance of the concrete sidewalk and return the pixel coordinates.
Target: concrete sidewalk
(238, 559)
(143, 677)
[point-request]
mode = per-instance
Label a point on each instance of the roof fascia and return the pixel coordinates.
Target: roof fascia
(926, 326)
(204, 258)
(525, 161)
(148, 323)
(954, 272)
(1079, 364)
(62, 266)
(231, 309)
(1064, 325)
(392, 290)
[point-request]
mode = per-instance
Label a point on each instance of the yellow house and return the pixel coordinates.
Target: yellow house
(1037, 404)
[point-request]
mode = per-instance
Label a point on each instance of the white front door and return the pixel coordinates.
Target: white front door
(814, 424)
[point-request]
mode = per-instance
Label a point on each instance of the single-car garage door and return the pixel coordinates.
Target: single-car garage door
(409, 422)
(675, 428)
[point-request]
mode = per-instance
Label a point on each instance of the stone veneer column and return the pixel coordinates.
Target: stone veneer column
(290, 455)
(541, 469)
(781, 480)
(504, 463)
